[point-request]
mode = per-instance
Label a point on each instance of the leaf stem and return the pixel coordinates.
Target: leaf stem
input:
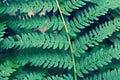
(69, 41)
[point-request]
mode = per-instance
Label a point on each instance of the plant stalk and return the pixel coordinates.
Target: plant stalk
(69, 41)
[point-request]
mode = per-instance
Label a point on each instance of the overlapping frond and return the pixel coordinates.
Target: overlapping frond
(6, 69)
(39, 5)
(69, 5)
(26, 6)
(2, 30)
(90, 14)
(35, 22)
(27, 75)
(115, 38)
(59, 77)
(44, 39)
(95, 36)
(39, 75)
(49, 59)
(96, 60)
(60, 59)
(35, 40)
(107, 75)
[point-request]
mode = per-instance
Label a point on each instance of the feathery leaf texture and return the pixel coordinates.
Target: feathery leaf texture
(27, 75)
(6, 69)
(47, 60)
(96, 60)
(2, 29)
(39, 5)
(95, 36)
(90, 14)
(61, 77)
(24, 57)
(38, 22)
(35, 40)
(46, 39)
(107, 75)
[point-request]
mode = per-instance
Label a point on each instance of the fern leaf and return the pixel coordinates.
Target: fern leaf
(49, 59)
(95, 36)
(34, 58)
(61, 77)
(35, 22)
(38, 5)
(44, 39)
(2, 30)
(69, 5)
(25, 75)
(107, 75)
(96, 60)
(90, 14)
(26, 6)
(6, 69)
(115, 38)
(35, 40)
(39, 76)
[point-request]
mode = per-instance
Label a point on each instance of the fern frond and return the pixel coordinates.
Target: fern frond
(27, 75)
(38, 22)
(46, 39)
(33, 57)
(105, 2)
(115, 38)
(6, 68)
(60, 59)
(96, 60)
(90, 14)
(69, 5)
(59, 77)
(2, 30)
(41, 76)
(39, 5)
(35, 40)
(113, 65)
(106, 75)
(95, 36)
(26, 6)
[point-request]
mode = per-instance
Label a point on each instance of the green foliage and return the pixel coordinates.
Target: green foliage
(107, 75)
(53, 22)
(59, 39)
(95, 36)
(36, 40)
(37, 5)
(24, 74)
(88, 15)
(2, 28)
(95, 60)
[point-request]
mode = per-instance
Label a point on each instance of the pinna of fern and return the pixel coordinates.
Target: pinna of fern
(24, 22)
(96, 60)
(36, 40)
(95, 36)
(87, 17)
(108, 75)
(39, 5)
(2, 28)
(46, 55)
(83, 20)
(19, 59)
